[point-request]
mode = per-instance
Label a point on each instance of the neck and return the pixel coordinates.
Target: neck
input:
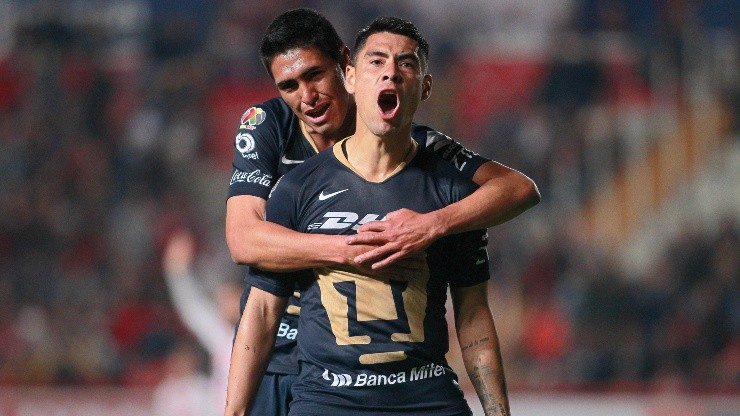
(326, 140)
(376, 158)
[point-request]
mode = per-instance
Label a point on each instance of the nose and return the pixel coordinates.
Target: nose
(391, 73)
(309, 95)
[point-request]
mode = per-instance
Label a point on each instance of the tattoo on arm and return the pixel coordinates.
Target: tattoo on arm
(481, 376)
(474, 343)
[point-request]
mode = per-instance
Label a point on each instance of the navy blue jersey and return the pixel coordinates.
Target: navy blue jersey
(374, 345)
(270, 141)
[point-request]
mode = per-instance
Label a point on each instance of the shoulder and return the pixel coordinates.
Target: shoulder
(444, 174)
(272, 116)
(265, 128)
(448, 149)
(322, 161)
(257, 113)
(442, 145)
(295, 189)
(427, 136)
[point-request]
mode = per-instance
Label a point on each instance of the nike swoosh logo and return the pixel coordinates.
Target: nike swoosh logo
(323, 196)
(287, 161)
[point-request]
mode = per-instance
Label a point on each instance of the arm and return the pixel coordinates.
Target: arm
(196, 309)
(503, 194)
(269, 246)
(252, 349)
(480, 349)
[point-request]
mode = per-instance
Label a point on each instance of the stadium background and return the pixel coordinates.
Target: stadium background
(617, 294)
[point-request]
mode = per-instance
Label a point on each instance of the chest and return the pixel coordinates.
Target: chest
(343, 202)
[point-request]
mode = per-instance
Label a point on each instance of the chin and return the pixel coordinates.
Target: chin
(384, 130)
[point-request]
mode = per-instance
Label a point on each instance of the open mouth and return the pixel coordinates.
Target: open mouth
(317, 112)
(388, 103)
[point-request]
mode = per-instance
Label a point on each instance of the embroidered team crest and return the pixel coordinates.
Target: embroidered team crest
(253, 117)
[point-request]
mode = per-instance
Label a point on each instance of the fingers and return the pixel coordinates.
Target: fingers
(380, 254)
(368, 256)
(367, 237)
(388, 261)
(373, 226)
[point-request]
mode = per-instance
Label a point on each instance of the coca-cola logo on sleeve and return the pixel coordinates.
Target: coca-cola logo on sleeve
(255, 176)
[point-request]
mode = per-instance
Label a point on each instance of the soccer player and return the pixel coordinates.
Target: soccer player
(373, 346)
(306, 58)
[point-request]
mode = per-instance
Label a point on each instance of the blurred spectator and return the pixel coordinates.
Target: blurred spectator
(212, 318)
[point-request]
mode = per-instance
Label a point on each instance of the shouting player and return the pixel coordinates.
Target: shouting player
(369, 345)
(306, 58)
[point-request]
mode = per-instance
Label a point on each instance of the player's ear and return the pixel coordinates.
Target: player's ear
(346, 57)
(426, 87)
(349, 79)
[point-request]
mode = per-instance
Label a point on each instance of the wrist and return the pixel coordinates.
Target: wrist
(334, 249)
(442, 223)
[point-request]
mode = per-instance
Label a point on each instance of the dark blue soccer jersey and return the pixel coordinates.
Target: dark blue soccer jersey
(269, 143)
(374, 345)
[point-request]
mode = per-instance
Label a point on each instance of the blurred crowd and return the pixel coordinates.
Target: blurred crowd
(116, 128)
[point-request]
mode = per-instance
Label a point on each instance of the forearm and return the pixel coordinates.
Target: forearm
(269, 246)
(500, 197)
(503, 194)
(482, 358)
(251, 353)
(272, 247)
(479, 345)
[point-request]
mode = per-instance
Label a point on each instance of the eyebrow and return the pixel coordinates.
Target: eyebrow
(409, 55)
(288, 83)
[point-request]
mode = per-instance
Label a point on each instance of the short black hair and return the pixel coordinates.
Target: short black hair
(397, 26)
(298, 28)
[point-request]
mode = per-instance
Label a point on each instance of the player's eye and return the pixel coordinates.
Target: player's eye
(288, 86)
(313, 75)
(408, 64)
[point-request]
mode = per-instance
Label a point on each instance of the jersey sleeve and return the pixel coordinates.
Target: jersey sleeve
(279, 284)
(280, 210)
(464, 160)
(469, 259)
(256, 153)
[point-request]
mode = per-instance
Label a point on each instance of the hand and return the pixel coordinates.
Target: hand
(179, 252)
(402, 232)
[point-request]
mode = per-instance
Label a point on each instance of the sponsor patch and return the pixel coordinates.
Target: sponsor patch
(369, 379)
(253, 117)
(341, 220)
(255, 176)
(245, 145)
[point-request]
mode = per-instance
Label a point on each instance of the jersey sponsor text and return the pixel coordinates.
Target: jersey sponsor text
(369, 380)
(285, 331)
(256, 176)
(342, 220)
